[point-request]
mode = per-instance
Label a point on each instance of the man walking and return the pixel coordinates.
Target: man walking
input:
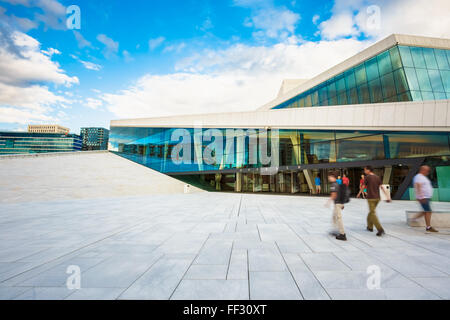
(424, 193)
(338, 206)
(373, 184)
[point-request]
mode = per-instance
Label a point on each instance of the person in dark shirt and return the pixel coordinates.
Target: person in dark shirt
(373, 184)
(337, 209)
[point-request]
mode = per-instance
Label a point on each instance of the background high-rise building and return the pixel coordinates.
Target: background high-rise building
(47, 128)
(94, 138)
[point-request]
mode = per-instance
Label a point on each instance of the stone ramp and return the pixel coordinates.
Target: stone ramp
(79, 175)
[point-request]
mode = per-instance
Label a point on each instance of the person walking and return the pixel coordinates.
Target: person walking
(339, 180)
(345, 180)
(373, 184)
(317, 183)
(338, 206)
(362, 188)
(424, 192)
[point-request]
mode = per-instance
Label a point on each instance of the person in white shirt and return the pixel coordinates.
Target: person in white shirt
(424, 193)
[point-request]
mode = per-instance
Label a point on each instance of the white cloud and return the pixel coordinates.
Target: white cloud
(24, 70)
(52, 13)
(127, 56)
(91, 66)
(175, 47)
(93, 103)
(235, 79)
(29, 64)
(360, 17)
(111, 46)
(315, 18)
(155, 43)
(268, 20)
(340, 25)
(82, 42)
(51, 51)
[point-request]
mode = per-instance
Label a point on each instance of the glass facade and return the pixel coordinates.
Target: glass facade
(401, 73)
(26, 143)
(94, 138)
(157, 148)
(154, 147)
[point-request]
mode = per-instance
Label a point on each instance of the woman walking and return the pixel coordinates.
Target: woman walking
(362, 188)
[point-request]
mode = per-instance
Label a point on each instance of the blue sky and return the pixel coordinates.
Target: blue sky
(155, 58)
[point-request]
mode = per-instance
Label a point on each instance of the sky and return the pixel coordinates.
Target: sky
(149, 58)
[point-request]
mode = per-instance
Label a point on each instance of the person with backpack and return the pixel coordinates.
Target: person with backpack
(339, 195)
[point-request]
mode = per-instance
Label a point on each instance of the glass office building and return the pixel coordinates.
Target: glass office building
(94, 138)
(386, 107)
(27, 143)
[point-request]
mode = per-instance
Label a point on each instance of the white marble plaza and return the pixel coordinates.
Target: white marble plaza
(155, 245)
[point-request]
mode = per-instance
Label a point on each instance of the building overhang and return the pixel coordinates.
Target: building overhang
(396, 116)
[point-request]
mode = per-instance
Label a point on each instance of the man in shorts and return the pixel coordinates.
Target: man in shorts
(424, 193)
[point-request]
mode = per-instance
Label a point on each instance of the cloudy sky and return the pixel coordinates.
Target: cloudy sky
(162, 57)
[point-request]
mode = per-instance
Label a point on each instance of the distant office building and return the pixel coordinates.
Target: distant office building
(47, 128)
(27, 142)
(94, 138)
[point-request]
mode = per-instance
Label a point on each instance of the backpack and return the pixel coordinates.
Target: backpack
(343, 194)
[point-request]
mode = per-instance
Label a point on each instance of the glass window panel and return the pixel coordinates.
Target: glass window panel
(441, 58)
(375, 91)
(416, 96)
(384, 63)
(405, 96)
(440, 95)
(360, 75)
(419, 61)
(412, 79)
(424, 81)
(352, 96)
(372, 69)
(435, 79)
(342, 98)
(405, 54)
(350, 79)
(395, 58)
(315, 98)
(331, 89)
(430, 61)
(362, 148)
(323, 96)
(427, 95)
(302, 103)
(308, 101)
(332, 101)
(391, 99)
(363, 94)
(404, 145)
(388, 85)
(400, 81)
(340, 85)
(445, 75)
